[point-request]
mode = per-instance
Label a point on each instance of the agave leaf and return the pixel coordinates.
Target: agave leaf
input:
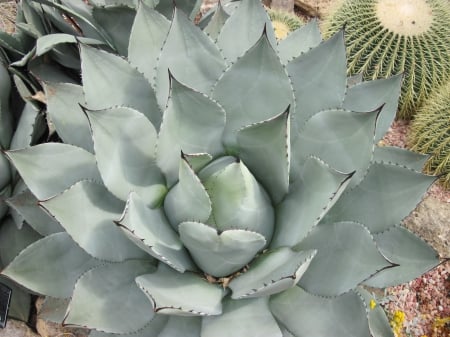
(220, 254)
(239, 201)
(50, 168)
(271, 273)
(5, 173)
(25, 133)
(13, 241)
(32, 267)
(150, 230)
(398, 156)
(116, 22)
(125, 139)
(63, 108)
(26, 204)
(217, 21)
(337, 266)
(132, 311)
(181, 294)
(33, 18)
(411, 255)
(109, 80)
(250, 20)
(299, 41)
(46, 43)
(6, 126)
(249, 317)
(190, 56)
(186, 110)
(89, 221)
(373, 94)
(308, 201)
(189, 7)
(20, 304)
(152, 329)
(179, 326)
(304, 314)
(319, 78)
(264, 89)
(374, 201)
(378, 323)
(12, 43)
(147, 38)
(268, 139)
(188, 199)
(197, 161)
(4, 194)
(343, 139)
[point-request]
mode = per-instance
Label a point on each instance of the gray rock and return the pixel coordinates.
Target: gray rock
(17, 329)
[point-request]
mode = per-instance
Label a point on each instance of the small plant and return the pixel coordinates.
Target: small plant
(284, 23)
(220, 188)
(430, 133)
(388, 37)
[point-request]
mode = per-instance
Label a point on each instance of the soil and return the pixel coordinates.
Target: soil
(424, 302)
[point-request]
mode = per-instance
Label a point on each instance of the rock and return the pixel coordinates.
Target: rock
(431, 221)
(17, 329)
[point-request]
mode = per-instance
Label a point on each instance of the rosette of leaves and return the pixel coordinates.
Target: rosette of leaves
(429, 133)
(388, 37)
(221, 184)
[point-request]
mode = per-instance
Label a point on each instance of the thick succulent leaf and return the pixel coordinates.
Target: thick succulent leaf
(124, 144)
(378, 322)
(341, 138)
(271, 273)
(304, 314)
(4, 194)
(116, 21)
(13, 240)
(197, 161)
(6, 126)
(243, 318)
(26, 130)
(411, 255)
(374, 202)
(217, 21)
(346, 256)
(89, 221)
(190, 56)
(239, 201)
(299, 41)
(250, 20)
(187, 113)
(5, 173)
(398, 156)
(220, 254)
(26, 204)
(179, 326)
(147, 38)
(48, 169)
(20, 304)
(131, 311)
(268, 139)
(188, 199)
(152, 329)
(371, 95)
(309, 199)
(109, 80)
(46, 43)
(50, 266)
(151, 231)
(319, 78)
(260, 75)
(181, 294)
(189, 7)
(63, 109)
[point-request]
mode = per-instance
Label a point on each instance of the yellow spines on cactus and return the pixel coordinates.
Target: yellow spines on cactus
(388, 37)
(283, 23)
(430, 133)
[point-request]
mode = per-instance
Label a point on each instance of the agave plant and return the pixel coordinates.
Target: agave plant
(217, 182)
(388, 37)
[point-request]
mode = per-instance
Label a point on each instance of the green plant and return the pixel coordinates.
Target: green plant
(430, 133)
(233, 183)
(283, 23)
(388, 37)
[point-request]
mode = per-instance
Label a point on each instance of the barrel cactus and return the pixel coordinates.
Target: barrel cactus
(429, 133)
(283, 23)
(221, 188)
(387, 37)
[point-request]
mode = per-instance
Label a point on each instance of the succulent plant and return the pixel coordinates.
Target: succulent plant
(221, 188)
(388, 37)
(429, 133)
(283, 23)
